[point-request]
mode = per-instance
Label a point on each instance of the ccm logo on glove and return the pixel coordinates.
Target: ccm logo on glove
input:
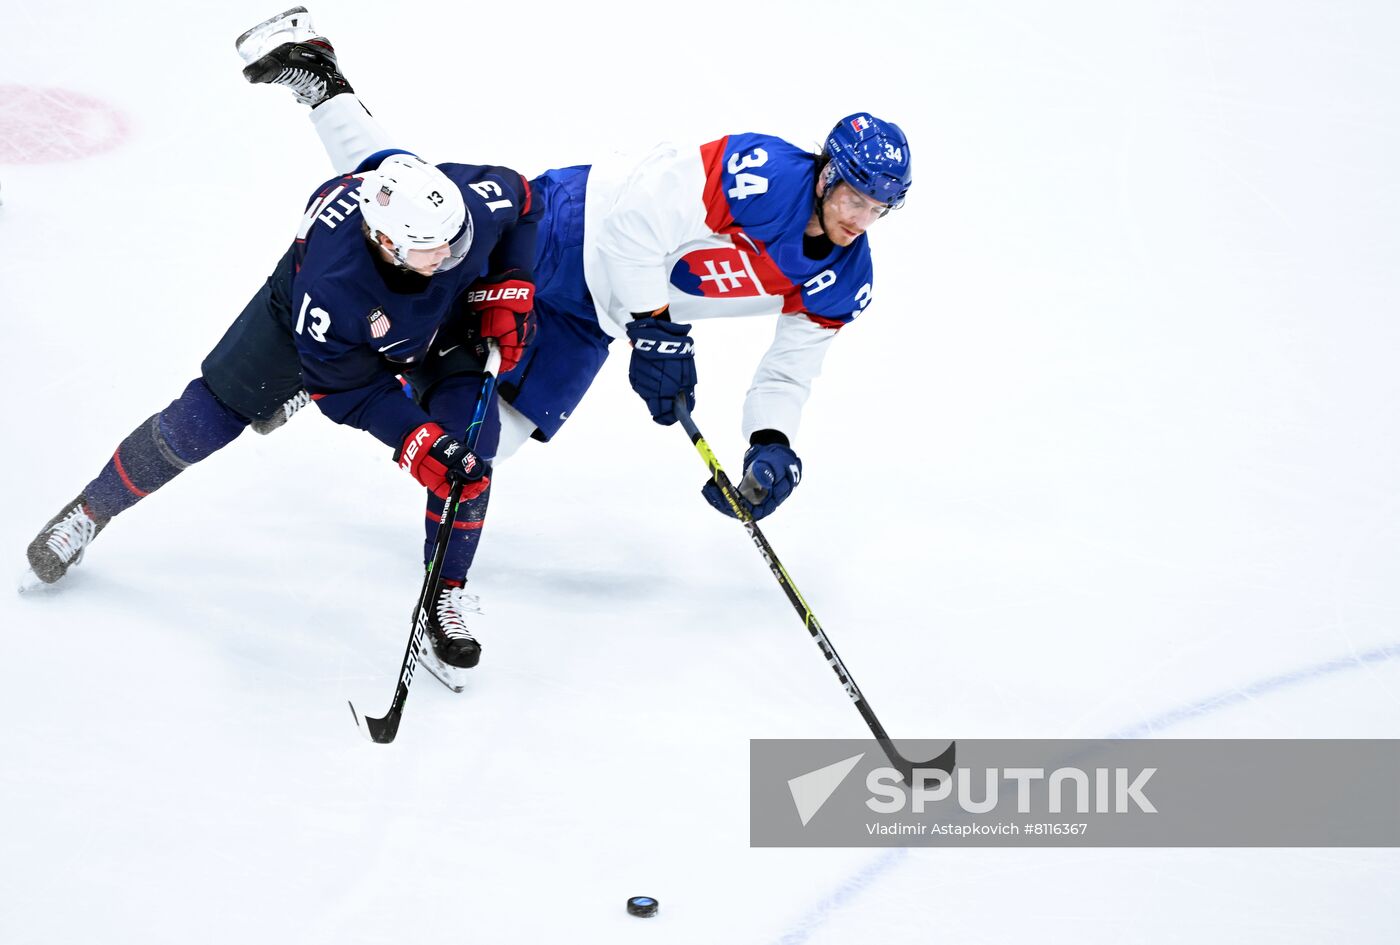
(663, 365)
(665, 347)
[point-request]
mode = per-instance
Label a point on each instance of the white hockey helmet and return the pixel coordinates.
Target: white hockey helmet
(417, 206)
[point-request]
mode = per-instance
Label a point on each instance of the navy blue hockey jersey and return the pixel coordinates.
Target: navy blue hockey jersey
(357, 322)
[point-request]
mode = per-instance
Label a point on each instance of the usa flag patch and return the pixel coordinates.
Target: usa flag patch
(860, 123)
(378, 323)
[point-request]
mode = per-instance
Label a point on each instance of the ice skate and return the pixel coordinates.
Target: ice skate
(60, 544)
(283, 414)
(285, 50)
(452, 649)
(289, 26)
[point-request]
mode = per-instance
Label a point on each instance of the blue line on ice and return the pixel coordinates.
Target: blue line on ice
(852, 887)
(1255, 690)
(843, 894)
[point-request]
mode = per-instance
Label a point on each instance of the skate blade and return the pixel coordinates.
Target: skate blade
(289, 26)
(453, 677)
(30, 582)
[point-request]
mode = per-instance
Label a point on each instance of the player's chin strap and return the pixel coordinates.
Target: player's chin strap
(398, 256)
(826, 173)
(944, 761)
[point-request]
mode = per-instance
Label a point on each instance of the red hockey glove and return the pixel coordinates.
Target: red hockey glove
(507, 314)
(437, 460)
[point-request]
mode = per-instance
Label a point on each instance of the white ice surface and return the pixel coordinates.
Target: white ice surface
(1117, 438)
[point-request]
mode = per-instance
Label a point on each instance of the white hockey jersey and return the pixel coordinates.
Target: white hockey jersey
(717, 231)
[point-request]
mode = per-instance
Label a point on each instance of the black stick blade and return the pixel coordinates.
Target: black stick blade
(944, 762)
(380, 731)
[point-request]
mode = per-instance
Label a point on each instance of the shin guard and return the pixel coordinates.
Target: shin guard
(194, 426)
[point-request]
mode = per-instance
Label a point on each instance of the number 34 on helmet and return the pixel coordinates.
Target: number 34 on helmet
(870, 155)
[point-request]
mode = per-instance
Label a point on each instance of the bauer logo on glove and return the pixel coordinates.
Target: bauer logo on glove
(513, 292)
(443, 462)
(505, 306)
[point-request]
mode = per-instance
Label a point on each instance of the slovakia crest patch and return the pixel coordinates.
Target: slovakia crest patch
(378, 323)
(860, 123)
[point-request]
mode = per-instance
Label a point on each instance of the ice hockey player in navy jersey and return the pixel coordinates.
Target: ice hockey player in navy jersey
(399, 268)
(635, 249)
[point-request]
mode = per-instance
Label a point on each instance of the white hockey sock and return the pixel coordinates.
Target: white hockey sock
(348, 131)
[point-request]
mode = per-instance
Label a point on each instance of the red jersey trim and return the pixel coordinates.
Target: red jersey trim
(832, 323)
(717, 215)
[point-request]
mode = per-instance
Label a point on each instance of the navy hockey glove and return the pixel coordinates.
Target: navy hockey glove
(771, 472)
(506, 307)
(663, 365)
(437, 460)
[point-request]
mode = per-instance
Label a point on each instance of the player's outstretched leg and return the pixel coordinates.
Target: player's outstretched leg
(285, 50)
(194, 426)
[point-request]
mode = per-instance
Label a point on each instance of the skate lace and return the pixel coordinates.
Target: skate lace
(296, 403)
(307, 86)
(70, 536)
(453, 606)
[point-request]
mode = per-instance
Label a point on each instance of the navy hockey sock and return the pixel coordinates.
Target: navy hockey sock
(453, 400)
(194, 426)
(466, 534)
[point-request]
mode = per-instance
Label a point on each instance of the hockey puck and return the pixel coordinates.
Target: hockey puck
(643, 907)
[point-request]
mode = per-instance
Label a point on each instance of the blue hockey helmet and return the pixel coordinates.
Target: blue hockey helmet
(872, 156)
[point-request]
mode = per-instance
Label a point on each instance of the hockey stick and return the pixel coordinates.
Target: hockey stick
(383, 730)
(943, 762)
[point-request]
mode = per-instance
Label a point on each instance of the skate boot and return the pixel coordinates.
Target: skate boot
(60, 544)
(447, 627)
(452, 648)
(283, 414)
(285, 50)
